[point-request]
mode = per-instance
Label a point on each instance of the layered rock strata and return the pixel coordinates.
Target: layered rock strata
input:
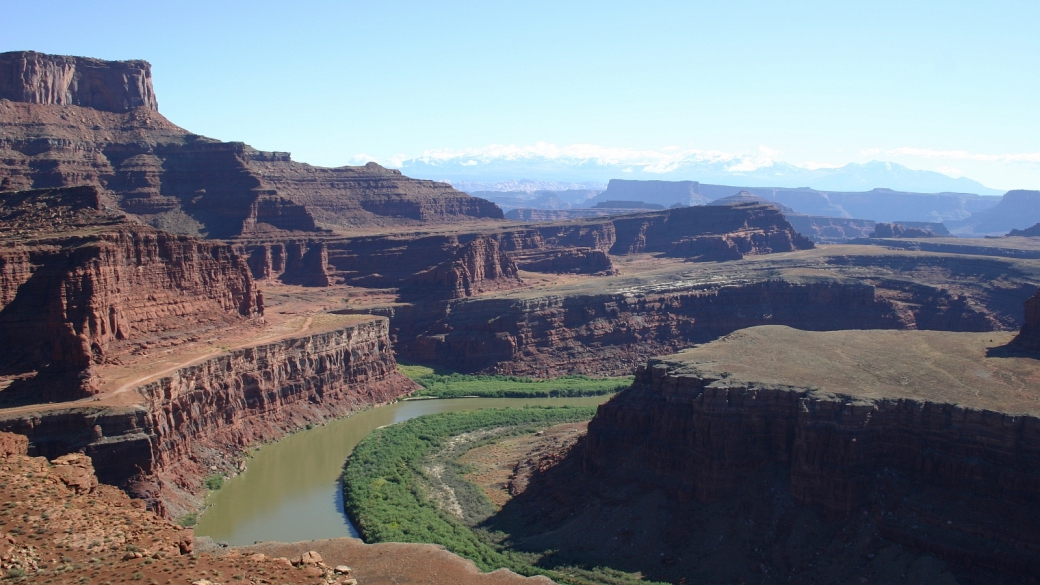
(715, 232)
(73, 121)
(724, 232)
(205, 414)
(918, 433)
(896, 230)
(609, 334)
(75, 280)
(110, 86)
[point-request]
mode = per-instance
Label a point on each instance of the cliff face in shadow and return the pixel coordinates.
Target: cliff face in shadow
(695, 472)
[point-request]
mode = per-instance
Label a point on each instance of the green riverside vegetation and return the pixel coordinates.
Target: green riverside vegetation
(390, 495)
(456, 385)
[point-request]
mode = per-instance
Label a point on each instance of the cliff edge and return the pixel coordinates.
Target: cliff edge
(109, 86)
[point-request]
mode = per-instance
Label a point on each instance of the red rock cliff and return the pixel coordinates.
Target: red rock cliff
(111, 86)
(75, 279)
(924, 471)
(609, 334)
(161, 449)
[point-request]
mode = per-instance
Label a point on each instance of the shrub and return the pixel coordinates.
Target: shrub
(214, 482)
(456, 385)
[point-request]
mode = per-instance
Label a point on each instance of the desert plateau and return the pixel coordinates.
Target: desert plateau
(573, 364)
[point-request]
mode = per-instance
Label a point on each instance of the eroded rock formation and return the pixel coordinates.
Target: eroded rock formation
(944, 467)
(609, 334)
(1029, 337)
(110, 86)
(477, 266)
(1031, 232)
(77, 279)
(179, 181)
(204, 414)
(895, 230)
(713, 232)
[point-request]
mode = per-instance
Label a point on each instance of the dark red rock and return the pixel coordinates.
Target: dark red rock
(77, 279)
(921, 471)
(709, 232)
(477, 266)
(111, 86)
(181, 182)
(162, 449)
(568, 261)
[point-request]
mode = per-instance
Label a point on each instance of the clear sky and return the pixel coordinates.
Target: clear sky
(951, 86)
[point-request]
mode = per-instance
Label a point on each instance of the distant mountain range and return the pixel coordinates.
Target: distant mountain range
(512, 171)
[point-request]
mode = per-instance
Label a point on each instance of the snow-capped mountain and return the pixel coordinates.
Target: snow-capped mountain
(574, 165)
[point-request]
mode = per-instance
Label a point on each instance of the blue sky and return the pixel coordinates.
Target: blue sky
(952, 86)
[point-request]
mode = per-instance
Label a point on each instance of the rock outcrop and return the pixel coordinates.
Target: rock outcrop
(1031, 232)
(476, 267)
(665, 193)
(189, 184)
(714, 232)
(943, 466)
(1018, 209)
(568, 261)
(839, 230)
(110, 86)
(1029, 337)
(76, 279)
(204, 414)
(895, 230)
(609, 334)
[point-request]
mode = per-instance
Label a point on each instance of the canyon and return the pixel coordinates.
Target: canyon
(71, 121)
(170, 301)
(157, 438)
(775, 455)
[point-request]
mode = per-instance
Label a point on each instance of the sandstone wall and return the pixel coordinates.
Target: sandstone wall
(205, 414)
(935, 476)
(111, 86)
(189, 184)
(716, 232)
(69, 299)
(612, 333)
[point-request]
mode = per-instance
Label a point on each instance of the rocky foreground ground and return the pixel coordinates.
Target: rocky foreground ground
(59, 525)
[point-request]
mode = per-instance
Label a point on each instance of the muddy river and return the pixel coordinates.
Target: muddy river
(290, 490)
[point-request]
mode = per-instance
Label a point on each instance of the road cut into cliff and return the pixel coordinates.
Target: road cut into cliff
(158, 434)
